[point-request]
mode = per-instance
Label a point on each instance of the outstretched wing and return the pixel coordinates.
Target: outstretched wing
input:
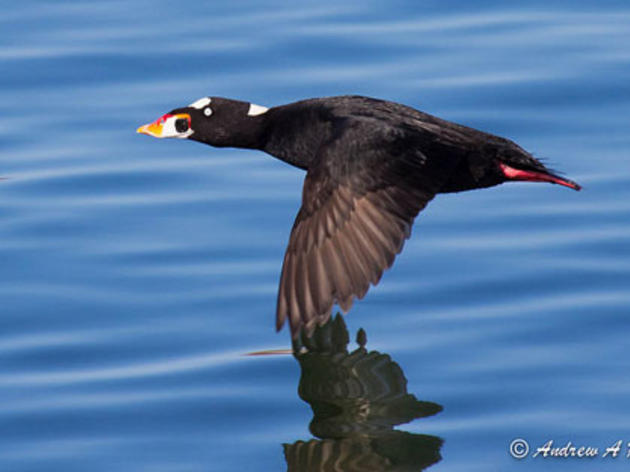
(356, 213)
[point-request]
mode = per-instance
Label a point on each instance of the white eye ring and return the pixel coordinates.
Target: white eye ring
(207, 111)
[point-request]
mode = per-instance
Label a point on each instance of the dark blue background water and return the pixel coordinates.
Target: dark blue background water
(135, 273)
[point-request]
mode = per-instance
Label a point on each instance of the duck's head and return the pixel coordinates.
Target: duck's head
(211, 120)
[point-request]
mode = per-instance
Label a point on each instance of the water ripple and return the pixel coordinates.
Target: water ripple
(133, 371)
(135, 273)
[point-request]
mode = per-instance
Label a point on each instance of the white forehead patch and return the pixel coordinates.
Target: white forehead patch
(199, 104)
(255, 110)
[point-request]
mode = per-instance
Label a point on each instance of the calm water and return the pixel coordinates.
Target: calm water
(136, 273)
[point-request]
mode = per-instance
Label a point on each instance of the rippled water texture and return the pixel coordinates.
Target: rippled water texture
(135, 273)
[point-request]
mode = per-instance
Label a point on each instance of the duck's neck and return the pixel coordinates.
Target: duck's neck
(248, 133)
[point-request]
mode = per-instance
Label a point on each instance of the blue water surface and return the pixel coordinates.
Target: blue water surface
(136, 273)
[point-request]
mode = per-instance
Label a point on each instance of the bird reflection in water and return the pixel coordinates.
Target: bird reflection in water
(357, 399)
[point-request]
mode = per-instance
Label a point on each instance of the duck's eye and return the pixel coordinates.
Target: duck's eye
(181, 125)
(207, 111)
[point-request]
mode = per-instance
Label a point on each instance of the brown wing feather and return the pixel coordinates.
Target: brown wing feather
(340, 246)
(360, 197)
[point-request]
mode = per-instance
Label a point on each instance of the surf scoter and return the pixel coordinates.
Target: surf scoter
(371, 165)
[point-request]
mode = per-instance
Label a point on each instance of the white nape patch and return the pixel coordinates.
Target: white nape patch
(199, 104)
(255, 110)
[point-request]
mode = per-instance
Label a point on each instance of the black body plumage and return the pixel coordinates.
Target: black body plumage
(371, 165)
